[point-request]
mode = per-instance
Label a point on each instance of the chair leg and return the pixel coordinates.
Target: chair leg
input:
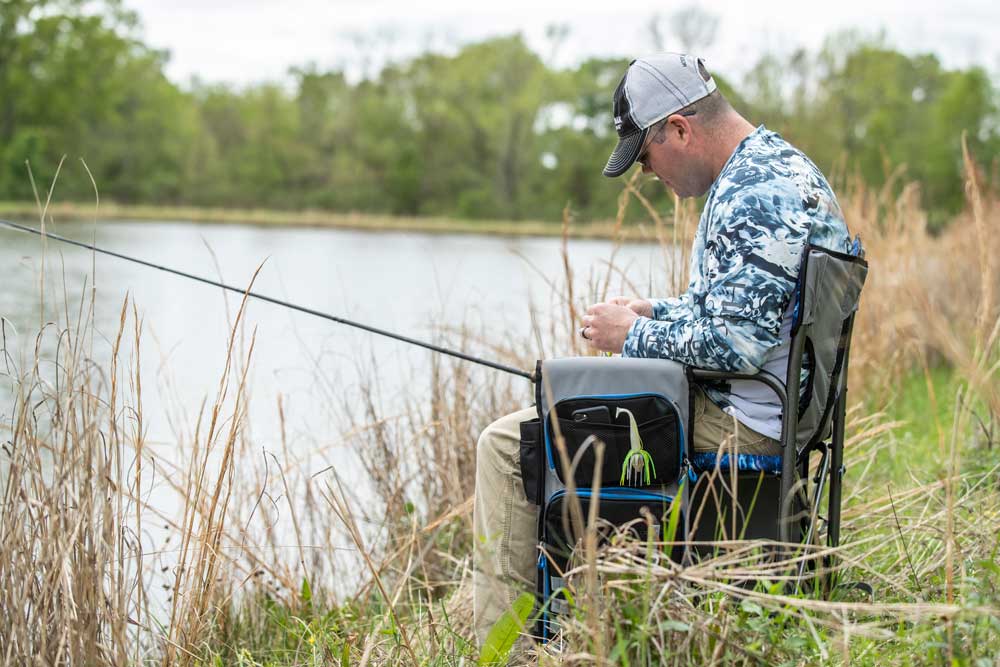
(836, 488)
(812, 518)
(837, 470)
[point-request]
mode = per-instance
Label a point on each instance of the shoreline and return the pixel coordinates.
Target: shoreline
(113, 212)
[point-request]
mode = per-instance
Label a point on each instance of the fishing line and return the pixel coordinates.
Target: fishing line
(279, 302)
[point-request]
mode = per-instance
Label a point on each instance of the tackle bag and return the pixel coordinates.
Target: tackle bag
(639, 409)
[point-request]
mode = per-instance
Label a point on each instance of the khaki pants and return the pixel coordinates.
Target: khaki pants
(505, 522)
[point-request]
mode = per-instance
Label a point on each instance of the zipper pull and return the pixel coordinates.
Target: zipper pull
(691, 474)
(541, 559)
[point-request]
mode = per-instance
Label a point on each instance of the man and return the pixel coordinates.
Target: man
(766, 202)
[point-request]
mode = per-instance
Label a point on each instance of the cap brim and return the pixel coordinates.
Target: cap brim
(625, 153)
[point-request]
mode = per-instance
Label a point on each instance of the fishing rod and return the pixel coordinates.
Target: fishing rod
(302, 309)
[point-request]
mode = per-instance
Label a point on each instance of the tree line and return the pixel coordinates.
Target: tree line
(489, 132)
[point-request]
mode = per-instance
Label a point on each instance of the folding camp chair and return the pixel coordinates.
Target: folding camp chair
(776, 498)
(645, 405)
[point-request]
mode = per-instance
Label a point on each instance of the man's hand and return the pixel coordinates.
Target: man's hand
(639, 306)
(606, 324)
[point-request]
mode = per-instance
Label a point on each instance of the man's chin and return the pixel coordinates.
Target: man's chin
(684, 194)
(680, 193)
(670, 187)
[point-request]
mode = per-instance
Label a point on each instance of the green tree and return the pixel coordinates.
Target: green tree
(863, 105)
(74, 80)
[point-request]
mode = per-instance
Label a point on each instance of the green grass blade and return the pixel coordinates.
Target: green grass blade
(505, 631)
(675, 517)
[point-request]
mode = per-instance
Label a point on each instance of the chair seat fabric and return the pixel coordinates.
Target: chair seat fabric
(704, 461)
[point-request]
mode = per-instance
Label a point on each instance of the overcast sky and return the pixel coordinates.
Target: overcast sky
(256, 40)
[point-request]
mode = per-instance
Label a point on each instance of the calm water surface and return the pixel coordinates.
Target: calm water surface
(416, 284)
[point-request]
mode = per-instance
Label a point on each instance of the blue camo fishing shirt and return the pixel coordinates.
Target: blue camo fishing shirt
(768, 202)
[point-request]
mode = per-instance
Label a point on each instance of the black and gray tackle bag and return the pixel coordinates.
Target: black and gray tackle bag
(639, 409)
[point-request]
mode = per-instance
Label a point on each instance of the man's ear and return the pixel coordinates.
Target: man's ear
(680, 126)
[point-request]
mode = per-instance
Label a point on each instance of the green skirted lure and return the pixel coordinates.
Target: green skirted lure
(638, 465)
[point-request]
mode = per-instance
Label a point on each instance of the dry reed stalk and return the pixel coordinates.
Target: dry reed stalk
(288, 493)
(342, 510)
(196, 580)
(66, 567)
(572, 319)
(590, 543)
(42, 217)
(617, 235)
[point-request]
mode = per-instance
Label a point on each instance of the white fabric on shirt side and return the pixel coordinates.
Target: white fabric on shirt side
(754, 404)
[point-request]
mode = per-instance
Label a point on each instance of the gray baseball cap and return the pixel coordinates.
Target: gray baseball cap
(653, 88)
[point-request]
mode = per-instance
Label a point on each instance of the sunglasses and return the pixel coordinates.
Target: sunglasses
(649, 137)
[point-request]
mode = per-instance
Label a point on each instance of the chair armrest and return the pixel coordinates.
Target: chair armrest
(763, 377)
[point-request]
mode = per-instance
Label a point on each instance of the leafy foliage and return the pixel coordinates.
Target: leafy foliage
(490, 132)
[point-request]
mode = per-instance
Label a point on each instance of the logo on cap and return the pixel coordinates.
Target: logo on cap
(618, 123)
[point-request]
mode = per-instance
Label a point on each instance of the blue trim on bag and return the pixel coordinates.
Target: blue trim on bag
(548, 436)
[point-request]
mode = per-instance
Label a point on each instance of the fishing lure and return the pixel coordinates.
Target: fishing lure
(638, 464)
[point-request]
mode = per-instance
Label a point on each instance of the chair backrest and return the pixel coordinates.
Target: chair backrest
(827, 296)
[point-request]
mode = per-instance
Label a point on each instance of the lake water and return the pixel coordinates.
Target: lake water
(410, 283)
(421, 285)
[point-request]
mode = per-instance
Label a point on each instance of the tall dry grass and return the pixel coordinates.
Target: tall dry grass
(71, 584)
(929, 298)
(74, 576)
(274, 563)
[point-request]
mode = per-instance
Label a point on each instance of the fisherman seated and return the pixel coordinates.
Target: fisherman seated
(766, 203)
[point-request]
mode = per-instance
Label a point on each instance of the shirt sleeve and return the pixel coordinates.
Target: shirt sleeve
(672, 308)
(751, 265)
